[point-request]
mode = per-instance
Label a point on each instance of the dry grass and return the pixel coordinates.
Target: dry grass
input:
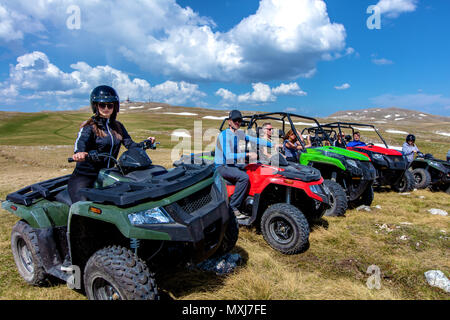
(334, 267)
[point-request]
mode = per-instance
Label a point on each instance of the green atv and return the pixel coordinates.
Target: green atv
(348, 175)
(431, 172)
(137, 215)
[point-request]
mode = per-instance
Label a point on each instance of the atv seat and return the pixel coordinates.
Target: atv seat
(146, 174)
(64, 197)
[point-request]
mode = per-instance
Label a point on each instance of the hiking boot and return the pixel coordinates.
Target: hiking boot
(239, 215)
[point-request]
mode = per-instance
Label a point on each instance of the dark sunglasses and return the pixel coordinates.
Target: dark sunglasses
(106, 105)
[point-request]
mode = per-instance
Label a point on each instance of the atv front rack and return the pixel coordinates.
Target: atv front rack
(131, 193)
(28, 195)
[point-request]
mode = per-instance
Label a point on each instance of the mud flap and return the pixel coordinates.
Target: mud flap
(49, 254)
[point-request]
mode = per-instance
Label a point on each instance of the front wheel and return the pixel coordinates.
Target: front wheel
(406, 183)
(285, 228)
(116, 273)
(422, 178)
(25, 249)
(365, 199)
(338, 199)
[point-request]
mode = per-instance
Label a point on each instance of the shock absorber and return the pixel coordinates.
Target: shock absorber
(134, 244)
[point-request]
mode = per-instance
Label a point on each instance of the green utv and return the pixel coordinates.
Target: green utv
(348, 175)
(138, 215)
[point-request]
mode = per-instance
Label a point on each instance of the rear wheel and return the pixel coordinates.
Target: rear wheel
(422, 178)
(25, 251)
(338, 199)
(285, 228)
(116, 273)
(406, 183)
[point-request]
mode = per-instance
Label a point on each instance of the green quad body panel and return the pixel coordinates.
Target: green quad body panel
(318, 155)
(48, 214)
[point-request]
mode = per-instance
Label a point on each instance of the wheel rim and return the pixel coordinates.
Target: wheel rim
(103, 290)
(25, 256)
(281, 230)
(332, 204)
(418, 178)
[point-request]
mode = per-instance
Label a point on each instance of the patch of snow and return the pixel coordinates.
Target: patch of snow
(436, 278)
(406, 223)
(364, 207)
(303, 124)
(181, 134)
(140, 107)
(380, 121)
(423, 115)
(378, 207)
(388, 116)
(398, 119)
(396, 131)
(181, 113)
(447, 134)
(438, 212)
(156, 108)
(215, 118)
(403, 237)
(364, 129)
(405, 194)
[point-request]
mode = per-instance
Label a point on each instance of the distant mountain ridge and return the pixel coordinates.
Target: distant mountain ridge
(387, 115)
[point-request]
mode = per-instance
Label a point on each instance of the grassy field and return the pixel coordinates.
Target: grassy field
(402, 238)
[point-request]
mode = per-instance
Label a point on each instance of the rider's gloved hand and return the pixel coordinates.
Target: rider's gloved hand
(79, 156)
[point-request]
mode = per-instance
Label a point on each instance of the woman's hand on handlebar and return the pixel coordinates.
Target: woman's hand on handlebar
(79, 156)
(152, 139)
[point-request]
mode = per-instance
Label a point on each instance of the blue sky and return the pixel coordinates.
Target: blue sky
(312, 57)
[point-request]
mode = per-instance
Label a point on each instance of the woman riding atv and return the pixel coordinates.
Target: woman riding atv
(102, 133)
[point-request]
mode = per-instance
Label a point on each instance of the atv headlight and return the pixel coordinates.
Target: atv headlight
(316, 188)
(352, 163)
(151, 216)
(377, 156)
(435, 164)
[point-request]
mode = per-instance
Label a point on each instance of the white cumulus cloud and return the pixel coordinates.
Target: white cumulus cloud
(344, 86)
(165, 38)
(262, 93)
(35, 77)
(393, 8)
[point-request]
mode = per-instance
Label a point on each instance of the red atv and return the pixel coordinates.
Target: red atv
(391, 165)
(283, 199)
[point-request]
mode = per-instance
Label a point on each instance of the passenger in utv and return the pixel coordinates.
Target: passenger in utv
(228, 156)
(356, 141)
(409, 148)
(103, 133)
(340, 143)
(292, 147)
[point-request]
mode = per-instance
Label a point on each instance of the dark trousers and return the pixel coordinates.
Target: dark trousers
(77, 182)
(241, 181)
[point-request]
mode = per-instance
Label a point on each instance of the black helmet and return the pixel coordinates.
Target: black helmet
(235, 115)
(410, 137)
(104, 94)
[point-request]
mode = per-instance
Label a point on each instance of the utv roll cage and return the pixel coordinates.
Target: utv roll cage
(346, 125)
(284, 117)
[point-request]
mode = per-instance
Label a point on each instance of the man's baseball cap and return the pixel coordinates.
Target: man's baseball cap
(235, 115)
